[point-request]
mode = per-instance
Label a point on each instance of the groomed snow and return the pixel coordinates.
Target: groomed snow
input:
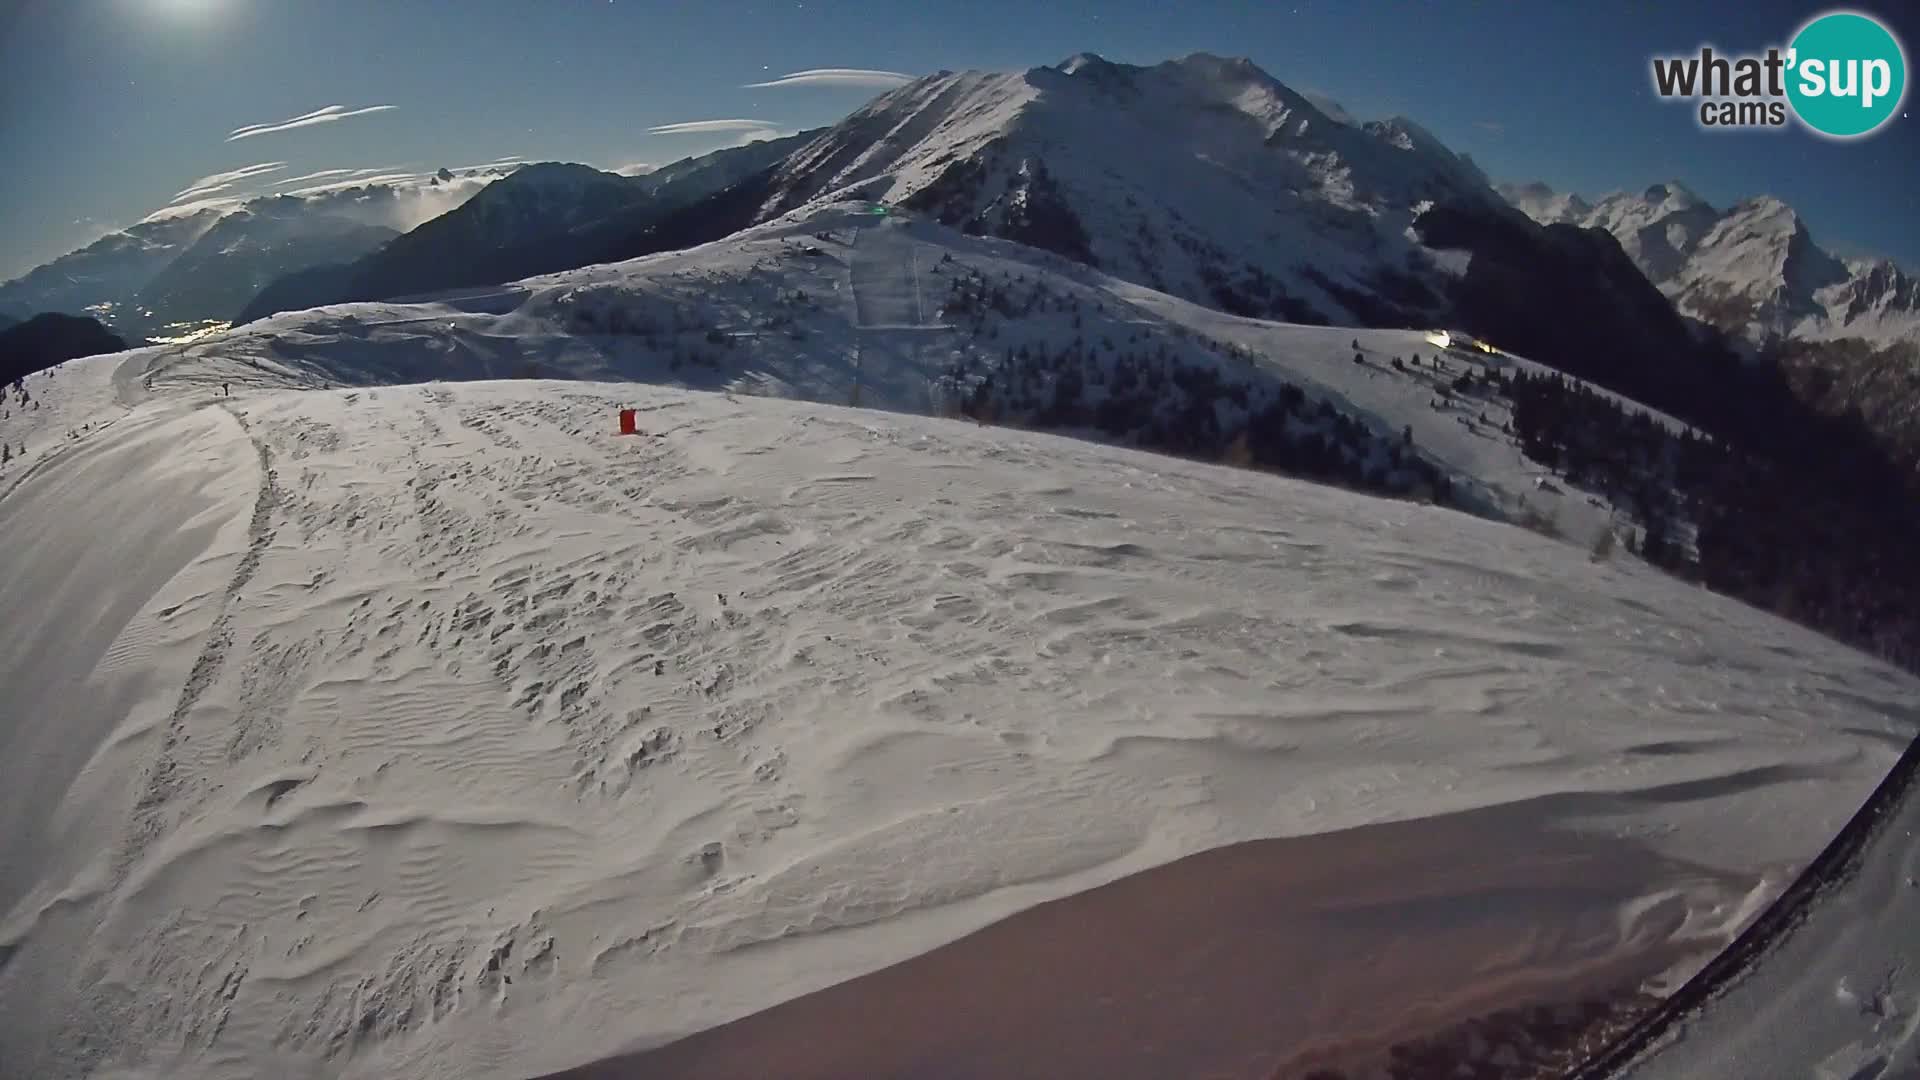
(437, 731)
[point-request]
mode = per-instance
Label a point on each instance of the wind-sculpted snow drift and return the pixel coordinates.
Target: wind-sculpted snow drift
(435, 730)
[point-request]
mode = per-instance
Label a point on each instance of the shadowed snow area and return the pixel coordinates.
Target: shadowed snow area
(99, 554)
(437, 731)
(1835, 995)
(1269, 958)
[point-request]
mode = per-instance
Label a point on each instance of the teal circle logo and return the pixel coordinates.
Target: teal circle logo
(1847, 74)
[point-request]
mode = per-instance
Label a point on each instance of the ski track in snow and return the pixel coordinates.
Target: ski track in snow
(504, 741)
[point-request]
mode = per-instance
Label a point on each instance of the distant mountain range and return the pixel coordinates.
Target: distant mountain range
(203, 262)
(542, 219)
(1201, 177)
(1752, 270)
(1842, 334)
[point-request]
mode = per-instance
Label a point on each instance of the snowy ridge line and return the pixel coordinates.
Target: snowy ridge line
(1835, 864)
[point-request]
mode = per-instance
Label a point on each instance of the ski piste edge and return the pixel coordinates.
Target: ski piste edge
(1835, 864)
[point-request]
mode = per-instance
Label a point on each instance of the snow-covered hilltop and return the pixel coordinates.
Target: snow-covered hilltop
(1752, 270)
(437, 730)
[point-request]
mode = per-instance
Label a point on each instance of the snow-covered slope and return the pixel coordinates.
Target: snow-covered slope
(842, 305)
(1752, 270)
(437, 730)
(691, 179)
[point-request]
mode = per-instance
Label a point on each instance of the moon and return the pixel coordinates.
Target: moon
(184, 9)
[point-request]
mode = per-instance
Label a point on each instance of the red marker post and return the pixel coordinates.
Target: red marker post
(628, 422)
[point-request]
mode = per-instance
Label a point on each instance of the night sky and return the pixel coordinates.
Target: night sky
(110, 109)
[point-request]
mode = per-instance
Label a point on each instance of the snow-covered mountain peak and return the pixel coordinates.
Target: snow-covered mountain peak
(1228, 78)
(1403, 133)
(567, 189)
(1330, 108)
(1426, 155)
(1757, 270)
(1086, 62)
(538, 198)
(1768, 212)
(558, 176)
(208, 210)
(1673, 195)
(1220, 67)
(1752, 270)
(1764, 237)
(1203, 176)
(1544, 205)
(1878, 290)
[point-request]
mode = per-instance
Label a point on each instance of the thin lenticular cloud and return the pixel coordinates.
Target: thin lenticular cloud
(221, 180)
(198, 193)
(325, 111)
(318, 116)
(836, 77)
(179, 210)
(321, 175)
(710, 127)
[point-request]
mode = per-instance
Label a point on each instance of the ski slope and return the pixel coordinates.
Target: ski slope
(841, 306)
(434, 730)
(896, 340)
